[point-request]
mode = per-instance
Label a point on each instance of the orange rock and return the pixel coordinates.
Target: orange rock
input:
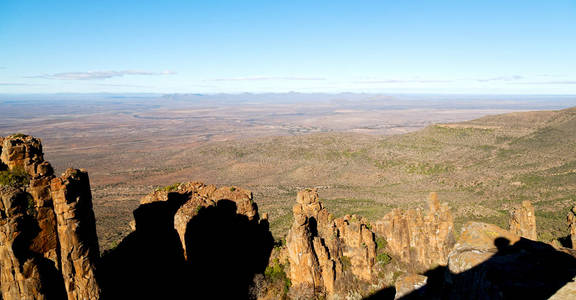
(572, 225)
(76, 233)
(408, 283)
(419, 240)
(523, 221)
(476, 244)
(322, 249)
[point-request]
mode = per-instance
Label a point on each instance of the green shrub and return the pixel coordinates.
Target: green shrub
(346, 263)
(18, 135)
(170, 188)
(232, 189)
(275, 273)
(17, 177)
(383, 258)
(381, 243)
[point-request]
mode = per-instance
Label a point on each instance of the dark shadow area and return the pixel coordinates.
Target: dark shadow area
(386, 293)
(566, 241)
(224, 250)
(148, 263)
(525, 270)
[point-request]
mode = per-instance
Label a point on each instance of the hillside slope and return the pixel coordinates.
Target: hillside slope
(480, 167)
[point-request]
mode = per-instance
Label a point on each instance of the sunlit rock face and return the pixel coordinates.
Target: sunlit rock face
(49, 247)
(421, 240)
(323, 250)
(523, 221)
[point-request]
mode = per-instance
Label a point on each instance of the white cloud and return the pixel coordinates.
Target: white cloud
(501, 78)
(549, 82)
(402, 81)
(15, 84)
(97, 75)
(262, 78)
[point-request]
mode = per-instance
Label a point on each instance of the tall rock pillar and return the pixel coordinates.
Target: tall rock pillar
(76, 233)
(523, 221)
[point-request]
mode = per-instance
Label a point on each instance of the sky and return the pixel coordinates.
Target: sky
(475, 47)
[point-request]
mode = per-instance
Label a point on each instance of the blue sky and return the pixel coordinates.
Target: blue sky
(492, 47)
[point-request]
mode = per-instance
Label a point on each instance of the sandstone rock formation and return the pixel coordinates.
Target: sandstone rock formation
(477, 243)
(523, 221)
(493, 263)
(76, 233)
(41, 256)
(322, 250)
(572, 226)
(419, 240)
(24, 153)
(190, 238)
(19, 272)
(197, 195)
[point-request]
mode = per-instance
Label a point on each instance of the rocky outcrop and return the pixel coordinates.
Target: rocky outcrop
(195, 196)
(494, 263)
(22, 153)
(76, 233)
(523, 221)
(409, 283)
(572, 226)
(19, 271)
(477, 242)
(419, 240)
(41, 257)
(323, 250)
(186, 236)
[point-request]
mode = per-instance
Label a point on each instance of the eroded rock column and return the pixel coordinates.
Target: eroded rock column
(76, 233)
(523, 221)
(420, 240)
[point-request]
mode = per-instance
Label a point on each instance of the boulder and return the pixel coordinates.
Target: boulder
(408, 284)
(493, 263)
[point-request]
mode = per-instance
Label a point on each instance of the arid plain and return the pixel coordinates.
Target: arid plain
(353, 147)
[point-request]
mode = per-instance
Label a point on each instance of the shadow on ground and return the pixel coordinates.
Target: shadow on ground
(224, 250)
(525, 270)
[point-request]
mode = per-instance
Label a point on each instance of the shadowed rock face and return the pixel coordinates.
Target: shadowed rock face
(489, 262)
(195, 240)
(321, 249)
(419, 240)
(523, 221)
(42, 257)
